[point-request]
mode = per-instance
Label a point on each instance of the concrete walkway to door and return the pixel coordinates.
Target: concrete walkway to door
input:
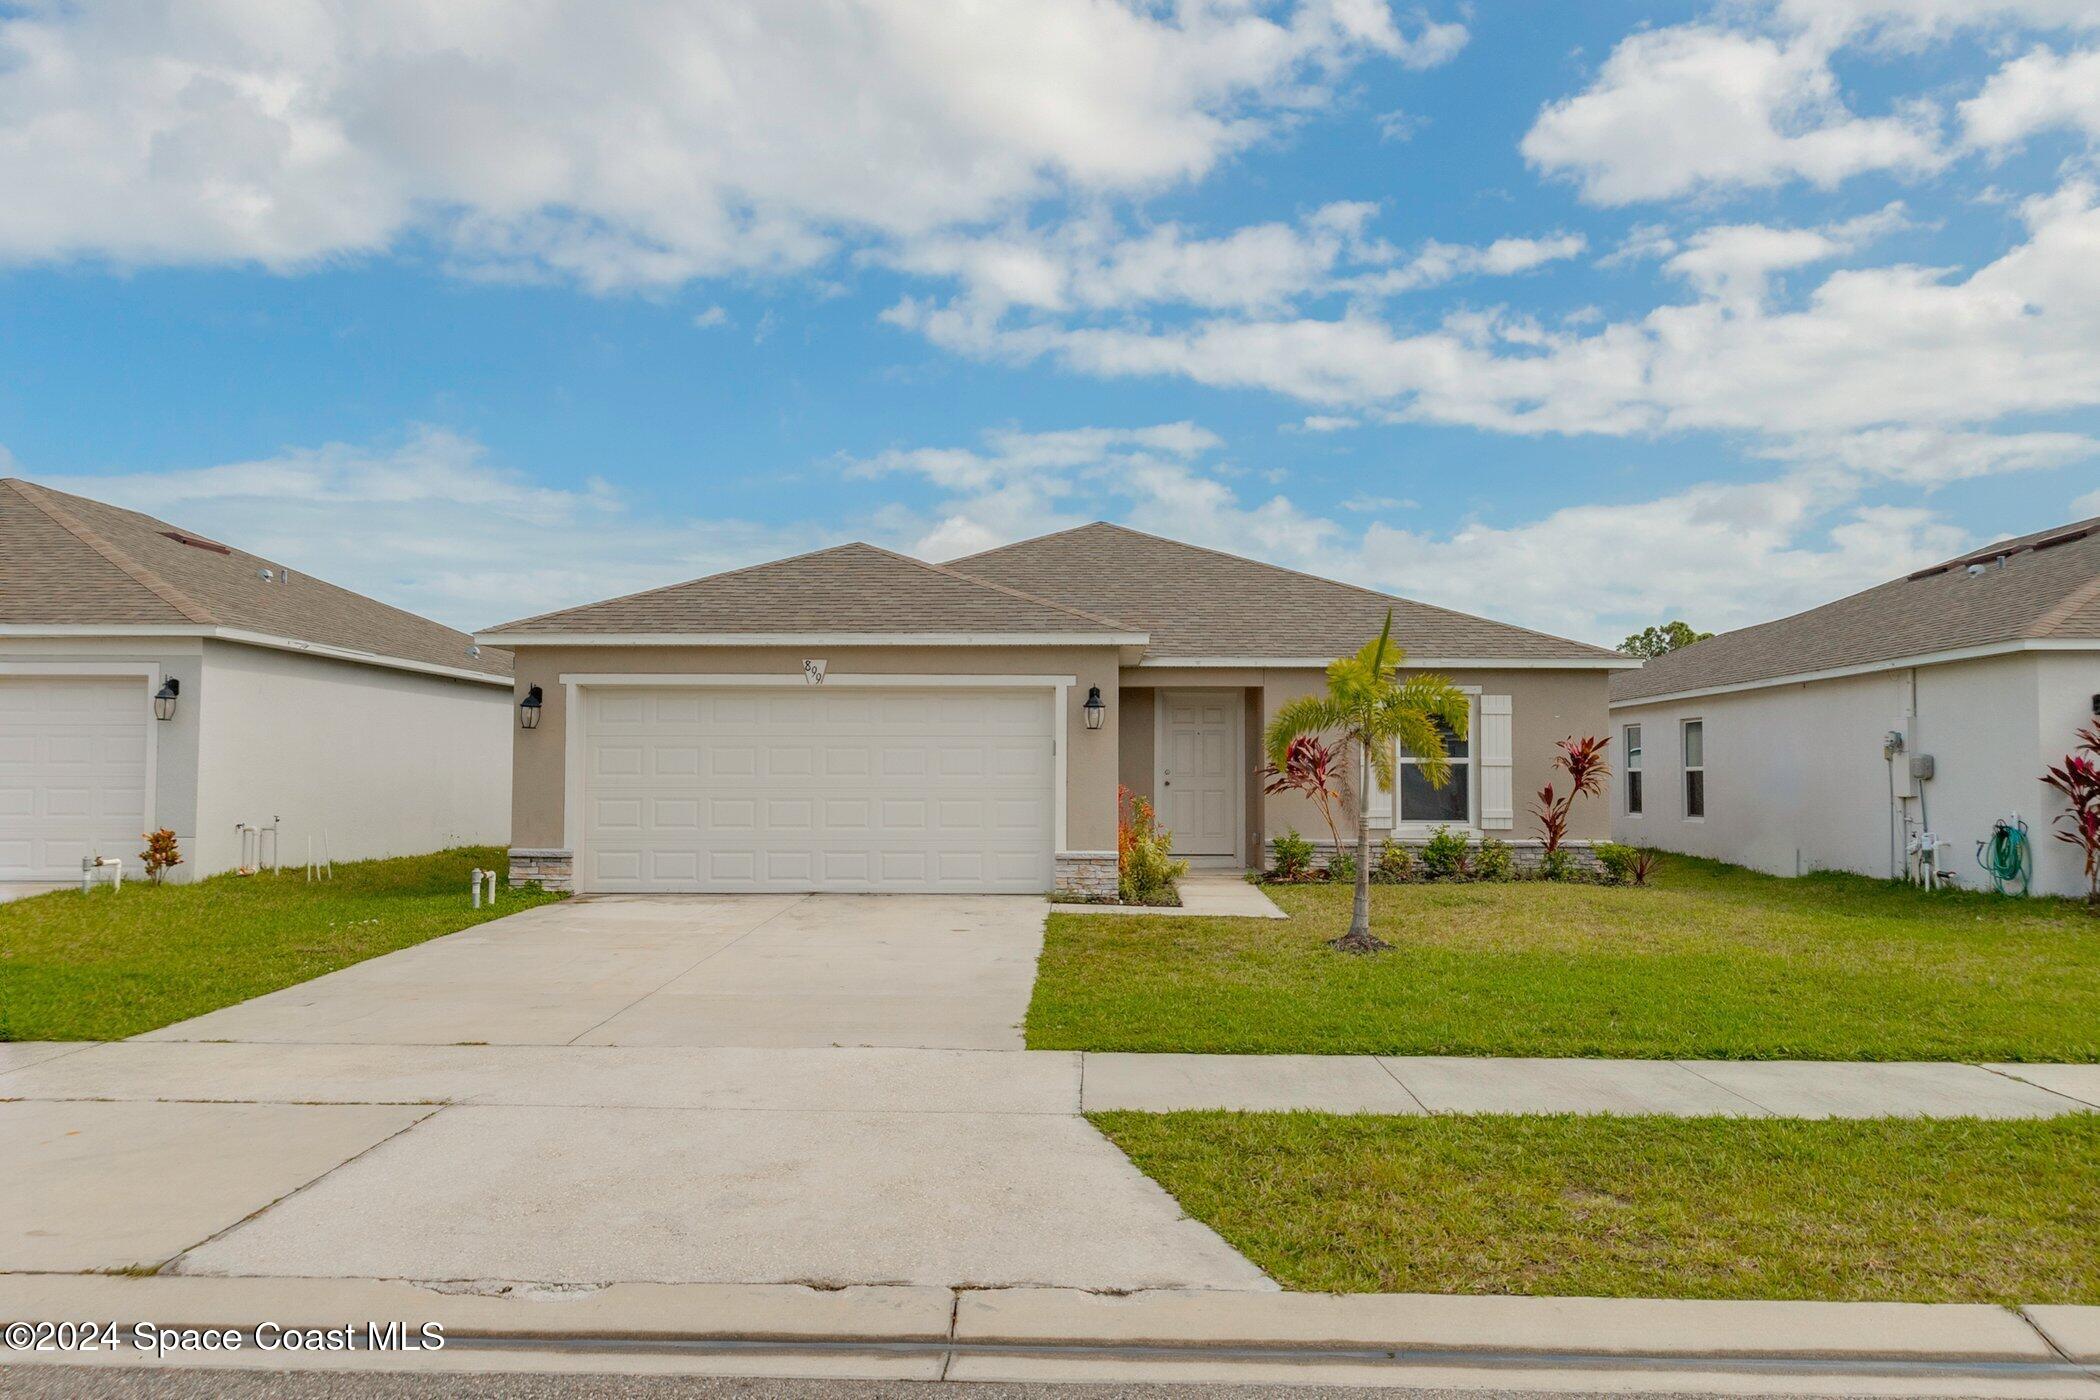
(924, 971)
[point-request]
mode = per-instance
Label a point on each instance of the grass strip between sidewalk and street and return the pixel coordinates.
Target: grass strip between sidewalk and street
(1947, 1210)
(108, 964)
(1713, 962)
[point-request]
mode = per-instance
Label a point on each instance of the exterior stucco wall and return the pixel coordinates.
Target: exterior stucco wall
(1090, 755)
(1796, 780)
(1135, 749)
(174, 802)
(380, 762)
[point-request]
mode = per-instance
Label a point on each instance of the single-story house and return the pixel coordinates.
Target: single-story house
(854, 719)
(1885, 733)
(151, 677)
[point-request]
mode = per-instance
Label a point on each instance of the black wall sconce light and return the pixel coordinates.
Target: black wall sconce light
(1093, 709)
(529, 709)
(164, 698)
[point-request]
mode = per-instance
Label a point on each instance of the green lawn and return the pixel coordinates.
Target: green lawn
(1951, 1210)
(1714, 962)
(104, 965)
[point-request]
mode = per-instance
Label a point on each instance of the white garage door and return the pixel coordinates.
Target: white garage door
(72, 773)
(813, 789)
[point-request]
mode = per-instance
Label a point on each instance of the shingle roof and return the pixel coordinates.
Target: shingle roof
(1199, 602)
(69, 561)
(851, 588)
(2043, 586)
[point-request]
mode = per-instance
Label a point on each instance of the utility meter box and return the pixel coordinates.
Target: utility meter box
(1921, 767)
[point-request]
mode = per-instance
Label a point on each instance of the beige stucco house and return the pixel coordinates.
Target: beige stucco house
(1885, 733)
(854, 719)
(151, 677)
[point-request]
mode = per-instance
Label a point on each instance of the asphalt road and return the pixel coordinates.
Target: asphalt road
(89, 1383)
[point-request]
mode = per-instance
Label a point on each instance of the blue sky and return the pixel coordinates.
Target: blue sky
(1581, 316)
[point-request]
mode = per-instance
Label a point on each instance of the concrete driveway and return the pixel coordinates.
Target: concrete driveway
(929, 971)
(737, 1089)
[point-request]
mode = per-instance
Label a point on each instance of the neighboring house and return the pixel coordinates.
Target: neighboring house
(854, 719)
(1775, 746)
(284, 700)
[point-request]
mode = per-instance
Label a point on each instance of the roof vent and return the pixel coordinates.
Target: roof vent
(265, 575)
(474, 651)
(2065, 538)
(193, 542)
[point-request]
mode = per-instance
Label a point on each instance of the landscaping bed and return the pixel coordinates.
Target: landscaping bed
(1710, 962)
(1950, 1210)
(114, 963)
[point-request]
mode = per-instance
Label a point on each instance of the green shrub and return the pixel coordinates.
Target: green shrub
(1341, 868)
(1493, 861)
(1444, 857)
(1395, 864)
(1556, 865)
(1616, 861)
(1290, 856)
(1145, 867)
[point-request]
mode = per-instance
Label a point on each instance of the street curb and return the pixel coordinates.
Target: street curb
(1051, 1319)
(641, 1311)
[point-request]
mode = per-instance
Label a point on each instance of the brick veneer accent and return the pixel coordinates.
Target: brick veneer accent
(552, 870)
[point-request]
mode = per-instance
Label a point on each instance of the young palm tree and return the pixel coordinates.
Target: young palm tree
(1370, 707)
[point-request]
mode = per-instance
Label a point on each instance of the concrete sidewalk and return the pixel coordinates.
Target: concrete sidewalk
(1205, 894)
(877, 1079)
(887, 1080)
(1026, 1334)
(1431, 1084)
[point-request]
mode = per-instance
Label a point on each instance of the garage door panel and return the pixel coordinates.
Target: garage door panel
(811, 789)
(72, 772)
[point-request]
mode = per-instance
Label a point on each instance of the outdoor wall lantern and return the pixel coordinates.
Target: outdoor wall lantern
(164, 698)
(529, 709)
(1093, 709)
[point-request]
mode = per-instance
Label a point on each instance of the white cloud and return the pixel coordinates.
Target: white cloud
(1598, 571)
(2087, 505)
(1872, 347)
(1371, 505)
(710, 318)
(2037, 91)
(428, 524)
(1689, 108)
(1090, 265)
(1088, 269)
(1438, 263)
(635, 144)
(1734, 262)
(1328, 423)
(1933, 457)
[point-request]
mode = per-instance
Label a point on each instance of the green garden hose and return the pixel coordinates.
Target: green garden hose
(2007, 855)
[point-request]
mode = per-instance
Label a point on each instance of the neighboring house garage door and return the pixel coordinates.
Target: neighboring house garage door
(72, 773)
(877, 789)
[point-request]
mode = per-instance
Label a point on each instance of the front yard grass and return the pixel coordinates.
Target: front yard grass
(106, 965)
(1949, 1210)
(1714, 962)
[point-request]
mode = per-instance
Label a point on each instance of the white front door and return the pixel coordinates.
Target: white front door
(1199, 770)
(816, 788)
(72, 773)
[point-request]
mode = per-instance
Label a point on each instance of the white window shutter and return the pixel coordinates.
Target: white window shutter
(1498, 794)
(1381, 803)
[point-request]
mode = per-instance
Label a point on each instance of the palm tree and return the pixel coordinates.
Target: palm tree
(1370, 707)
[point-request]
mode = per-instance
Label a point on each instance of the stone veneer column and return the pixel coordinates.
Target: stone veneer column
(548, 868)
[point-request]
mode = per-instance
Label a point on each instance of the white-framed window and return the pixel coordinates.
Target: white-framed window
(1456, 802)
(1633, 770)
(1694, 768)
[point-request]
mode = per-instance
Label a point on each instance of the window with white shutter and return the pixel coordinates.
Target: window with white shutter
(1498, 793)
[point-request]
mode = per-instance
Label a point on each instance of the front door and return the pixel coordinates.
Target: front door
(1199, 770)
